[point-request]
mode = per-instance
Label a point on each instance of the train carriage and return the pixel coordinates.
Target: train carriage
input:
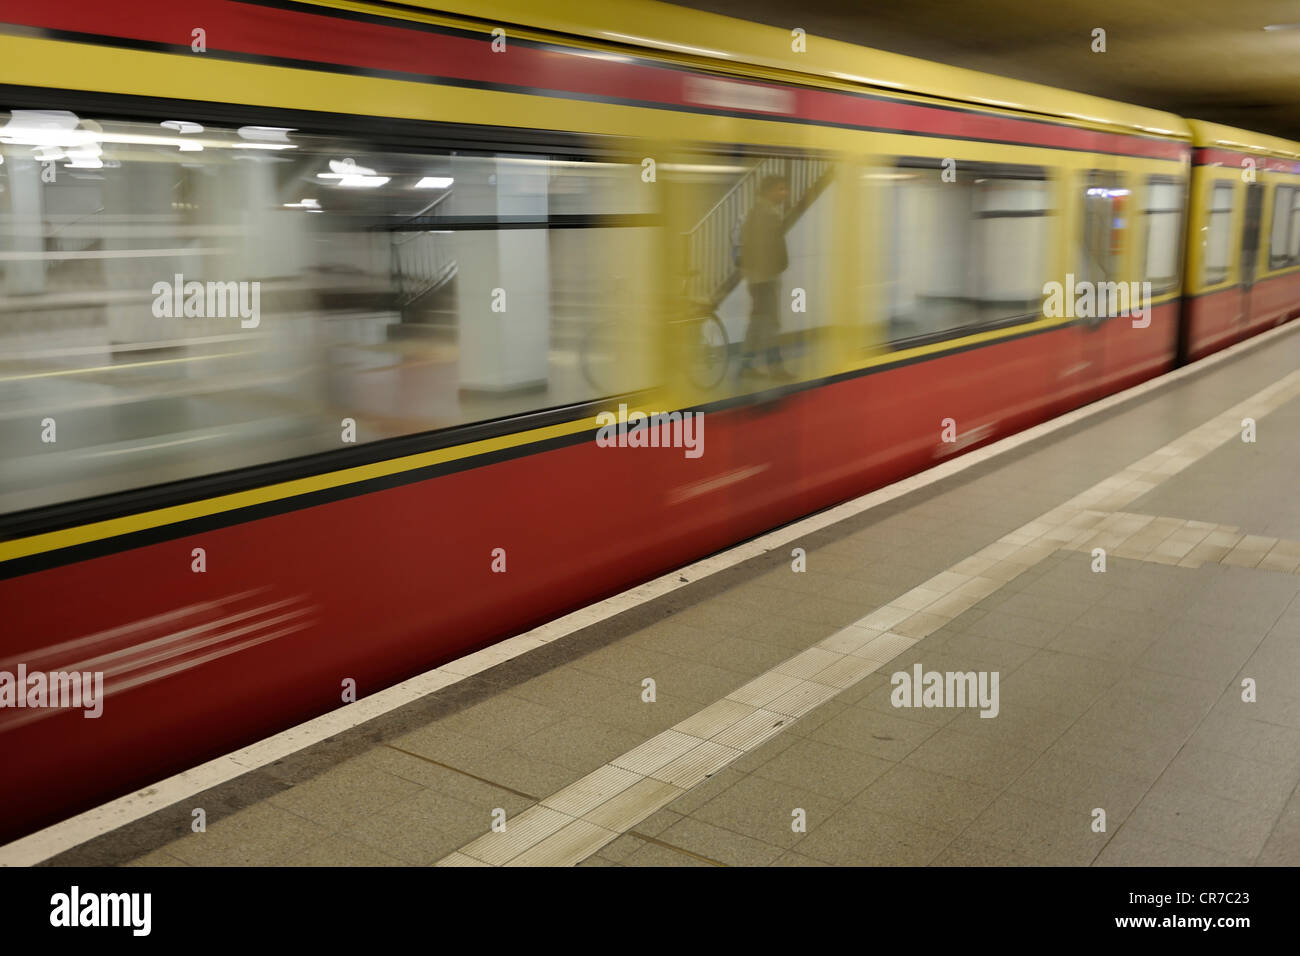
(475, 235)
(1243, 247)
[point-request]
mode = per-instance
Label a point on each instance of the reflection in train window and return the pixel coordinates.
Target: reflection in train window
(1105, 219)
(1162, 238)
(755, 229)
(1284, 245)
(1217, 231)
(968, 253)
(407, 290)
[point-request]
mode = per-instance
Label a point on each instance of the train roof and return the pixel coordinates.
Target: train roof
(727, 44)
(1242, 140)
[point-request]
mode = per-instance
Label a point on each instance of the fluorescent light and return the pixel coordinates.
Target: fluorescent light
(435, 182)
(349, 174)
(45, 128)
(354, 180)
(266, 134)
(340, 169)
(183, 127)
(23, 120)
(1283, 26)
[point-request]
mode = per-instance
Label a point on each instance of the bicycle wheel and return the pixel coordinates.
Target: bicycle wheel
(710, 352)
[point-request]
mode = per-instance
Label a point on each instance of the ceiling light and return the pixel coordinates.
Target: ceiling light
(345, 167)
(349, 174)
(45, 128)
(435, 182)
(266, 134)
(183, 127)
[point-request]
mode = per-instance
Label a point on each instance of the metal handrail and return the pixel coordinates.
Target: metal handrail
(421, 269)
(407, 234)
(709, 242)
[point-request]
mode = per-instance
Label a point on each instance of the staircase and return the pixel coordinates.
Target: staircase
(423, 264)
(711, 243)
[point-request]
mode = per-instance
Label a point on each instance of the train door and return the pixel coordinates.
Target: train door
(1103, 241)
(1250, 236)
(1157, 263)
(750, 320)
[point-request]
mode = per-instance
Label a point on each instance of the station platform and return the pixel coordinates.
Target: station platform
(1144, 714)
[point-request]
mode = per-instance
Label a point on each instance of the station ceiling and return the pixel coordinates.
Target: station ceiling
(1204, 59)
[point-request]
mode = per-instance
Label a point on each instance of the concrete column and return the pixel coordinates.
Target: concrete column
(505, 334)
(138, 215)
(24, 276)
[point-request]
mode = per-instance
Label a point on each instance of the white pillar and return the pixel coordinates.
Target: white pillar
(24, 276)
(502, 280)
(138, 215)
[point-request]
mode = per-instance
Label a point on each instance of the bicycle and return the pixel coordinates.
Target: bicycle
(704, 340)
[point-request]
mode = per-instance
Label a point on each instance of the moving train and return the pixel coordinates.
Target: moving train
(311, 314)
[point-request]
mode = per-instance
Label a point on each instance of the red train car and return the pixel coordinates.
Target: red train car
(314, 316)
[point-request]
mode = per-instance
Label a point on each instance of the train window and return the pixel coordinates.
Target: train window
(968, 247)
(1105, 212)
(1284, 245)
(1218, 228)
(1162, 238)
(184, 299)
(756, 253)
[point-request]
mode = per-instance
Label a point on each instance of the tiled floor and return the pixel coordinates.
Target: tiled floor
(1133, 724)
(773, 739)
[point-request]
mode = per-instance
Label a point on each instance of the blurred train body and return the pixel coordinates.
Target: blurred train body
(440, 231)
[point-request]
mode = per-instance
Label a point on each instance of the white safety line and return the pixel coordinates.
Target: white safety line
(571, 824)
(62, 836)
